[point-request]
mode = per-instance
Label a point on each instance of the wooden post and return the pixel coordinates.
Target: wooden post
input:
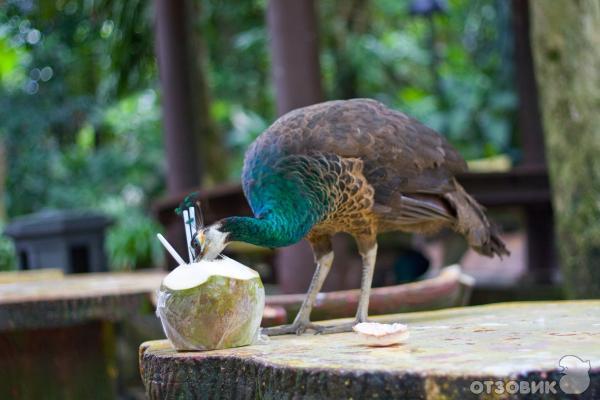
(539, 223)
(181, 139)
(294, 46)
(530, 120)
(185, 102)
(295, 53)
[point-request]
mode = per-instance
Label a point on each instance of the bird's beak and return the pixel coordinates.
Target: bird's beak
(200, 254)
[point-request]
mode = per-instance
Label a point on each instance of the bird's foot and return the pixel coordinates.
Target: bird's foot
(339, 328)
(297, 327)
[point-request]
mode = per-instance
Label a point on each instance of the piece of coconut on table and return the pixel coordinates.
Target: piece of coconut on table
(381, 335)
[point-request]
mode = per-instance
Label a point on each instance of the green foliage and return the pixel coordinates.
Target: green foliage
(79, 114)
(131, 243)
(376, 49)
(8, 257)
(454, 78)
(238, 70)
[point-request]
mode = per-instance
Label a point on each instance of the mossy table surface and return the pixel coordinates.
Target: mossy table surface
(447, 350)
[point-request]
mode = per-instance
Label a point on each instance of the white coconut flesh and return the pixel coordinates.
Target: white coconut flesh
(188, 276)
(376, 334)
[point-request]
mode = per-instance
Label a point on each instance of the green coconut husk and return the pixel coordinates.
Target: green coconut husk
(211, 305)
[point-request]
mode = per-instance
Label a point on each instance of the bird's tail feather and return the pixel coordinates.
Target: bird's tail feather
(472, 222)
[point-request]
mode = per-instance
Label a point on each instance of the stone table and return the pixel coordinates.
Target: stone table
(57, 334)
(451, 354)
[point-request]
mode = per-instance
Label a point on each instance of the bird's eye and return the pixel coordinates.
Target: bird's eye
(198, 241)
(195, 242)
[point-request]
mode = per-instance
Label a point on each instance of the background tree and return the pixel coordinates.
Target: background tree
(566, 41)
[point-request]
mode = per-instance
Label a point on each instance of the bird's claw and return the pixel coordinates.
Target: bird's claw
(297, 327)
(339, 328)
(345, 327)
(300, 327)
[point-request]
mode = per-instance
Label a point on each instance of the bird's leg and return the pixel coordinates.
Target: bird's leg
(369, 256)
(368, 252)
(324, 259)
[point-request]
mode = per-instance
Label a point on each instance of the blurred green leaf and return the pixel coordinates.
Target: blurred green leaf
(9, 59)
(8, 257)
(131, 243)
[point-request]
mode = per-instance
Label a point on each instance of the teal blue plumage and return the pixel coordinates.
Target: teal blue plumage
(286, 204)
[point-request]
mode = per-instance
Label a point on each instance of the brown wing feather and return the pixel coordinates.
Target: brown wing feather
(400, 155)
(409, 166)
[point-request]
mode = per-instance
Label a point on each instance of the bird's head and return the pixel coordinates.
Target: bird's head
(209, 242)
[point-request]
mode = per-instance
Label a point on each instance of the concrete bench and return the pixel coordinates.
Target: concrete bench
(57, 336)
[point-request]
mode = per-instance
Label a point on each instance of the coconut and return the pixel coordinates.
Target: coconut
(211, 305)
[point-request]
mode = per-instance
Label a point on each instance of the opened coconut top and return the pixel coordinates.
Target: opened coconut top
(187, 276)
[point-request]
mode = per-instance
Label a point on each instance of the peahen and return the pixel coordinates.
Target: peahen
(351, 166)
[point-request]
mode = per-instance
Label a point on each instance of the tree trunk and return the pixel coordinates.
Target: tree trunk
(566, 42)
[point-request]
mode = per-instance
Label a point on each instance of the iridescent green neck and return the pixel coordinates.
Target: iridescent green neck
(267, 232)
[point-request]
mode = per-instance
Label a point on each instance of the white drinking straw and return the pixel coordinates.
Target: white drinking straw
(170, 249)
(192, 213)
(188, 234)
